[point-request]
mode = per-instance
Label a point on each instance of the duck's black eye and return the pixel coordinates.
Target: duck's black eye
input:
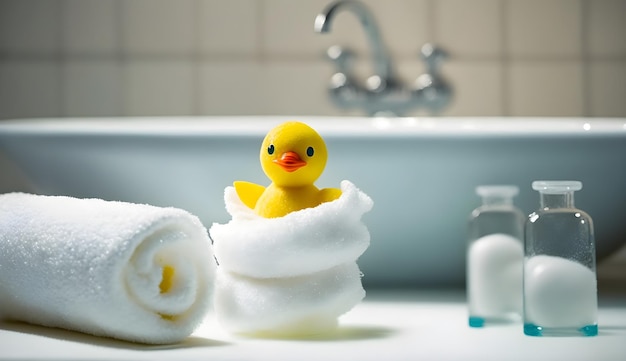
(310, 151)
(270, 149)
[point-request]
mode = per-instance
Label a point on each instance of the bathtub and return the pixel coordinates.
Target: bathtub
(420, 172)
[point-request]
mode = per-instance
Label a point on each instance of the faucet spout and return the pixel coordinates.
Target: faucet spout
(382, 93)
(382, 63)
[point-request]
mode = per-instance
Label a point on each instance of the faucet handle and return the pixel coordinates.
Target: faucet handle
(342, 82)
(431, 88)
(341, 57)
(432, 56)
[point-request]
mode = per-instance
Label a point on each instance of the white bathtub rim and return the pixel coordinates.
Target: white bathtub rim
(326, 125)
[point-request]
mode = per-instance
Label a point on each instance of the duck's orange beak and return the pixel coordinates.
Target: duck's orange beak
(290, 161)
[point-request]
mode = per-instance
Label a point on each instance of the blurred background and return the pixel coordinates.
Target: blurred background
(75, 58)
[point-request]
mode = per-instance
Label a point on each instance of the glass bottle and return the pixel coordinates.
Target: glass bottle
(494, 257)
(560, 283)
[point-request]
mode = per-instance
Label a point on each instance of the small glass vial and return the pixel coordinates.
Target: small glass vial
(494, 257)
(560, 283)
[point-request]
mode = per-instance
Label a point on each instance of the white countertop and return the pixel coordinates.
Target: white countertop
(387, 326)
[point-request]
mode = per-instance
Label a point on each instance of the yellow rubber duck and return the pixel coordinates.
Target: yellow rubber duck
(293, 155)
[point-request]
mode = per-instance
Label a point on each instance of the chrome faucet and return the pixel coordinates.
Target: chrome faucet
(383, 93)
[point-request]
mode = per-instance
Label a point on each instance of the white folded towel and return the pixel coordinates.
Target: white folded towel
(128, 271)
(303, 305)
(308, 241)
(291, 275)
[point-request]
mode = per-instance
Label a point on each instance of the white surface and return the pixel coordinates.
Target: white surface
(387, 326)
(351, 126)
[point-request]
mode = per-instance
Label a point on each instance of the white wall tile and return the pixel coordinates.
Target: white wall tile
(159, 88)
(544, 28)
(298, 88)
(607, 27)
(263, 57)
(30, 26)
(93, 88)
(546, 89)
(30, 89)
(470, 28)
(89, 26)
(289, 27)
(158, 26)
(404, 25)
(608, 89)
(232, 88)
(478, 88)
(230, 26)
(277, 88)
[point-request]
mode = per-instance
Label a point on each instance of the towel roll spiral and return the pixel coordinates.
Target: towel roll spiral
(128, 271)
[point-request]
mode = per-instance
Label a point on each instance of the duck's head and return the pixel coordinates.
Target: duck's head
(293, 154)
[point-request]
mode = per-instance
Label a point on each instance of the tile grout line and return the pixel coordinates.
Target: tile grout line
(584, 45)
(505, 62)
(228, 57)
(121, 57)
(61, 58)
(261, 40)
(196, 56)
(431, 27)
(261, 52)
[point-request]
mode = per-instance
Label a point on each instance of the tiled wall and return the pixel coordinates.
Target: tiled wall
(206, 57)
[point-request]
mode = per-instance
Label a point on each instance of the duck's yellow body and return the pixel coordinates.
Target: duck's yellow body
(293, 155)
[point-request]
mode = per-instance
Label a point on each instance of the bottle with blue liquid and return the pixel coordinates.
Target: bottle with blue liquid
(494, 257)
(560, 283)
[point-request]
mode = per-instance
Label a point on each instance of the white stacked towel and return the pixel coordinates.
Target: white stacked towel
(294, 274)
(128, 271)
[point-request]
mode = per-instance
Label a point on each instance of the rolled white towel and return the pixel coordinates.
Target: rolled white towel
(128, 271)
(302, 242)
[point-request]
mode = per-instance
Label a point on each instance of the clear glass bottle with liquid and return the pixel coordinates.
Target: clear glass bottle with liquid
(560, 283)
(494, 257)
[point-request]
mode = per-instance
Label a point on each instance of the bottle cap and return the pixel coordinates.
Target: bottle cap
(557, 187)
(501, 191)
